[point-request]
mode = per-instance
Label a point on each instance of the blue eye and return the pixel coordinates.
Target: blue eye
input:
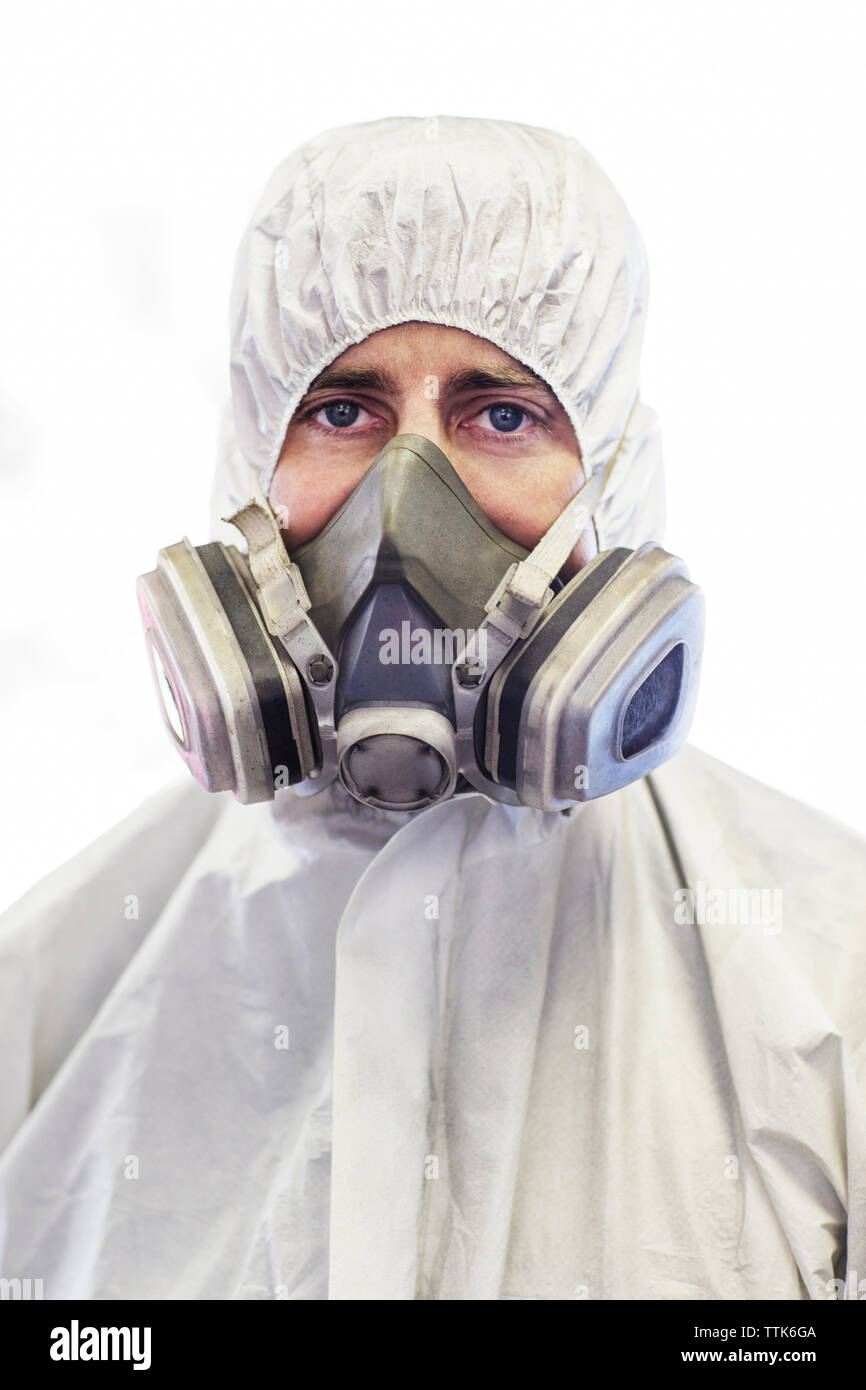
(505, 418)
(341, 413)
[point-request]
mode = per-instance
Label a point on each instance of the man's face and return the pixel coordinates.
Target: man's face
(502, 429)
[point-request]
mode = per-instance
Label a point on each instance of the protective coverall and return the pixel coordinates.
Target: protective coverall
(309, 1050)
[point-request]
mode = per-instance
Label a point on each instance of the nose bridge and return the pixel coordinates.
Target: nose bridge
(413, 467)
(397, 484)
(419, 414)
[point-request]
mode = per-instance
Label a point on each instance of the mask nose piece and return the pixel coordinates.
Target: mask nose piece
(397, 759)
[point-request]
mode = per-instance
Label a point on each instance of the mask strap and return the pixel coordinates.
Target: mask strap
(285, 605)
(282, 592)
(524, 591)
(557, 543)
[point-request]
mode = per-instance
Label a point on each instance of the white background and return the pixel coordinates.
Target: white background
(136, 139)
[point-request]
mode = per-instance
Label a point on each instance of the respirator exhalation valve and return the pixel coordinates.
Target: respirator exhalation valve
(396, 759)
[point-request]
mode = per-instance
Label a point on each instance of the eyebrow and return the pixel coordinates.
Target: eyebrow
(470, 379)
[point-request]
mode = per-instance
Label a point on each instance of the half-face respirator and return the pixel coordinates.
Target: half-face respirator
(411, 649)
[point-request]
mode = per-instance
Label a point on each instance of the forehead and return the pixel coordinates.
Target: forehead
(398, 355)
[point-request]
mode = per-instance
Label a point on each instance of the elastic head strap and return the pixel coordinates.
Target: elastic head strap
(526, 589)
(560, 539)
(281, 588)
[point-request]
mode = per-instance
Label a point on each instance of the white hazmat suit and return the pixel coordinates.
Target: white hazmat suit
(309, 1050)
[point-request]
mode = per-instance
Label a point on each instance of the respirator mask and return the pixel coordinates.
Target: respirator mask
(411, 649)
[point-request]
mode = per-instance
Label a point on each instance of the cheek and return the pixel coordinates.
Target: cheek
(305, 496)
(524, 500)
(524, 503)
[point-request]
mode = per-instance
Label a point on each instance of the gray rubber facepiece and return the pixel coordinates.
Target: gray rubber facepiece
(397, 579)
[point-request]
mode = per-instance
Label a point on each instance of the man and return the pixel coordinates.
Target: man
(310, 1049)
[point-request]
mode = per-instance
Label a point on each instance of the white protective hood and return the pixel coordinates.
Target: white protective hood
(510, 232)
(308, 1050)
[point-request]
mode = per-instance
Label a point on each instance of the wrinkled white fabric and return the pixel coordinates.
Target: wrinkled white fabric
(509, 231)
(305, 1050)
(432, 1131)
